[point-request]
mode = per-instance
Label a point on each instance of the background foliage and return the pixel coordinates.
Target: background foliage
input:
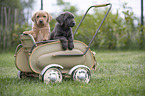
(117, 32)
(14, 16)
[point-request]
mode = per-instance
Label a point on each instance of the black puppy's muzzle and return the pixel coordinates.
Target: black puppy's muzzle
(72, 24)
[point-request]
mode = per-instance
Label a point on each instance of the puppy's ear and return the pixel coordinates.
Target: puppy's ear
(60, 19)
(33, 17)
(49, 17)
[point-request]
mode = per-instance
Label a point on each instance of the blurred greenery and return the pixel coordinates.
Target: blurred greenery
(117, 32)
(14, 20)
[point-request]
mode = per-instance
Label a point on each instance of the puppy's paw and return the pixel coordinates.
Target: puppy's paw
(45, 39)
(64, 46)
(70, 46)
(27, 32)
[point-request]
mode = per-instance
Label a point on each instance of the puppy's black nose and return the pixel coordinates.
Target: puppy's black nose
(73, 23)
(41, 21)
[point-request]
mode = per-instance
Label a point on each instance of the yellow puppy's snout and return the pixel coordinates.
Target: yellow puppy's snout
(41, 21)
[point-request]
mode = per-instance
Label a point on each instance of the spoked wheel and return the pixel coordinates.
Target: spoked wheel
(52, 75)
(81, 74)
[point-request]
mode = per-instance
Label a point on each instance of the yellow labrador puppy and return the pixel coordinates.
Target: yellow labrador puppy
(41, 28)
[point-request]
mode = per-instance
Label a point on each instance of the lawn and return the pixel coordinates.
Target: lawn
(118, 73)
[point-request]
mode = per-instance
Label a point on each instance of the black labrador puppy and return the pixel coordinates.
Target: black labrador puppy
(63, 30)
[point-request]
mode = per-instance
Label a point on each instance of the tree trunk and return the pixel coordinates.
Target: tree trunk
(1, 35)
(15, 18)
(5, 33)
(8, 28)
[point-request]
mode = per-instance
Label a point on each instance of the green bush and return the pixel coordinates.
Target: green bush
(116, 32)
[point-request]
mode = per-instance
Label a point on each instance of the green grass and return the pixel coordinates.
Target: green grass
(119, 73)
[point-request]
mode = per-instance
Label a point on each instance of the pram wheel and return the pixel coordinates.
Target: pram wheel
(19, 74)
(52, 75)
(81, 74)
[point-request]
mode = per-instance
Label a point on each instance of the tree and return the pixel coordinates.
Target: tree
(66, 6)
(12, 19)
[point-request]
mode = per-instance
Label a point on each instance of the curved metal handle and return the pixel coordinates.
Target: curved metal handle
(101, 5)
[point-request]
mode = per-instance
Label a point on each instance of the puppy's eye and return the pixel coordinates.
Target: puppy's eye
(44, 16)
(68, 17)
(37, 16)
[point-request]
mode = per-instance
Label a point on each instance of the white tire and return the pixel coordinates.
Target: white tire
(81, 74)
(52, 75)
